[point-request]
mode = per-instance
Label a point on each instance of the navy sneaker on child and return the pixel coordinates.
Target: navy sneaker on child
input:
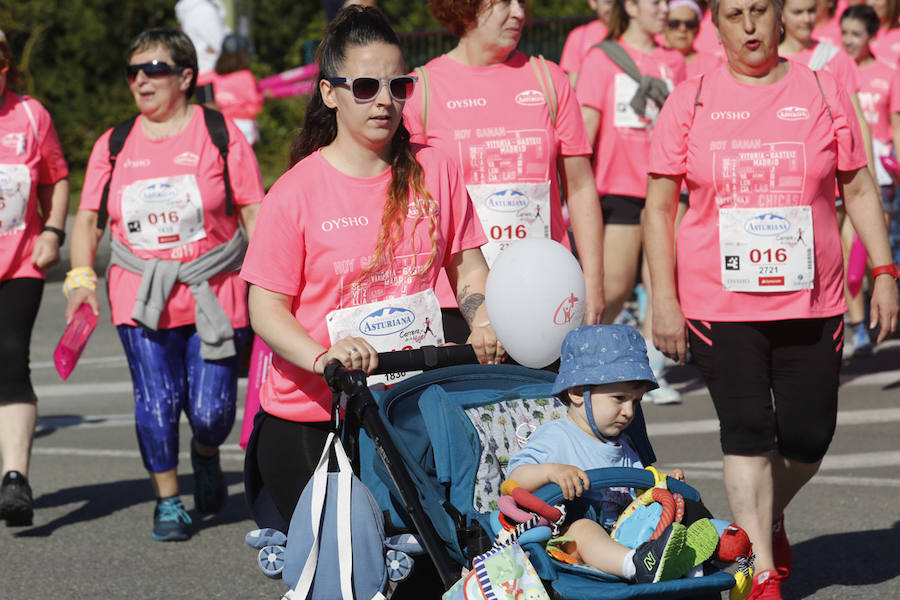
(655, 560)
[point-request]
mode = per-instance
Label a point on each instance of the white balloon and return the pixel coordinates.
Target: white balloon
(534, 296)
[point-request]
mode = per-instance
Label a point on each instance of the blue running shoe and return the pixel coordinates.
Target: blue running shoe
(170, 521)
(210, 490)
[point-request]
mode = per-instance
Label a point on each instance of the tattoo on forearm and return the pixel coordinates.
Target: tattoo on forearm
(469, 303)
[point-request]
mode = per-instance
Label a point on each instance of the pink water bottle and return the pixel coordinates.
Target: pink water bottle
(73, 340)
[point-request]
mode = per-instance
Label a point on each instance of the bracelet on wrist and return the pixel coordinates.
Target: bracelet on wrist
(79, 277)
(61, 234)
(316, 359)
(890, 269)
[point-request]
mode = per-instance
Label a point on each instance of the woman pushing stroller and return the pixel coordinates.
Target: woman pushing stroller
(362, 217)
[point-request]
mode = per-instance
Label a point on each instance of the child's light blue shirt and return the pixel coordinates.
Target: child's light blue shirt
(562, 441)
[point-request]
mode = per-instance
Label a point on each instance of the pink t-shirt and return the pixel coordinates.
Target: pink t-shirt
(841, 66)
(495, 122)
(879, 96)
(153, 183)
(886, 46)
(622, 144)
(316, 251)
(579, 42)
(30, 155)
(235, 93)
(707, 39)
(757, 146)
(703, 63)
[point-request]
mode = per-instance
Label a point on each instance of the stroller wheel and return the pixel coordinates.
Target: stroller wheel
(399, 565)
(271, 561)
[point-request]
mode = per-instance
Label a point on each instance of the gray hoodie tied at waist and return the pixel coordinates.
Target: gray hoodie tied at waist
(158, 277)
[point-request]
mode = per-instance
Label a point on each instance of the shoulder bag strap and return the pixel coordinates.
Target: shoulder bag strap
(317, 506)
(542, 71)
(822, 92)
(116, 143)
(34, 127)
(425, 80)
(218, 133)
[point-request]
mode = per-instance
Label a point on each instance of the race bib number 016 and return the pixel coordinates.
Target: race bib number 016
(767, 249)
(15, 187)
(397, 324)
(163, 213)
(511, 212)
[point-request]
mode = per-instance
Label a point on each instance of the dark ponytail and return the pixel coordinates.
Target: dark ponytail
(360, 26)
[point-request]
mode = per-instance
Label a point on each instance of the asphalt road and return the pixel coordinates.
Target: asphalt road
(94, 503)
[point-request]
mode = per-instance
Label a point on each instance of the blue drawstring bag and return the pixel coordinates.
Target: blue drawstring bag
(336, 538)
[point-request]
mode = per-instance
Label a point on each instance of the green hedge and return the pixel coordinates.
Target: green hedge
(72, 56)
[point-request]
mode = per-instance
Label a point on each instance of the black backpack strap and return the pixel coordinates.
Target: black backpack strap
(116, 143)
(215, 124)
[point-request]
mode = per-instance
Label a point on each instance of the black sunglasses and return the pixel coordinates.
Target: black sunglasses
(366, 88)
(688, 23)
(154, 68)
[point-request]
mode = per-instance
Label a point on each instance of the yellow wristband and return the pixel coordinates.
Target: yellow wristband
(79, 277)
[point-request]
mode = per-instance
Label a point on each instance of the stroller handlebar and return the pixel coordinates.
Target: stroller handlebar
(399, 361)
(425, 358)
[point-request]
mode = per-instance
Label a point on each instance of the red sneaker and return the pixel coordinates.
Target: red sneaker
(767, 585)
(781, 547)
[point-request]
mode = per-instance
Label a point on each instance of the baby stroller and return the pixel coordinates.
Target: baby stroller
(434, 450)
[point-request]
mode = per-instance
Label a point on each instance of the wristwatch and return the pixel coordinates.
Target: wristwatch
(59, 233)
(890, 269)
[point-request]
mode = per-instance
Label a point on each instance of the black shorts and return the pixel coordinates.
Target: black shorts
(621, 210)
(774, 384)
(20, 299)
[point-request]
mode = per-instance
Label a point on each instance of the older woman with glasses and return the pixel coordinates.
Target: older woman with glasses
(34, 200)
(681, 32)
(177, 183)
(760, 142)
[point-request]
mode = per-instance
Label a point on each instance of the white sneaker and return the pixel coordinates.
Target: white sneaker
(663, 394)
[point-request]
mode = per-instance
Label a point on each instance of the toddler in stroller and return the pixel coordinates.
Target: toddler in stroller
(604, 373)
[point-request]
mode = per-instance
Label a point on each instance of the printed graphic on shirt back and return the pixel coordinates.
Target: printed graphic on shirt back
(771, 173)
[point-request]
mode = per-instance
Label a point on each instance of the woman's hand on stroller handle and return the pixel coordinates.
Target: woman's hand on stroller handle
(353, 353)
(487, 347)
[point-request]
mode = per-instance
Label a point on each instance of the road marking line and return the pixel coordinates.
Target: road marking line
(832, 462)
(849, 480)
(701, 426)
(66, 390)
(134, 454)
(848, 417)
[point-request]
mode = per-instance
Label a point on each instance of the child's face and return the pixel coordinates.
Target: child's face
(612, 404)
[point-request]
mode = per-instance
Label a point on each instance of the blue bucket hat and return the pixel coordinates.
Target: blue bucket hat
(600, 354)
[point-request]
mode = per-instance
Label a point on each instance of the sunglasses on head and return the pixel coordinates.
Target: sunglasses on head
(688, 23)
(366, 88)
(154, 68)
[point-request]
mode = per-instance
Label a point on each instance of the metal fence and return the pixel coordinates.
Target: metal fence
(544, 36)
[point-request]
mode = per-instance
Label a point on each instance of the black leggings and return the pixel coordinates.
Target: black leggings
(774, 384)
(20, 299)
(287, 453)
